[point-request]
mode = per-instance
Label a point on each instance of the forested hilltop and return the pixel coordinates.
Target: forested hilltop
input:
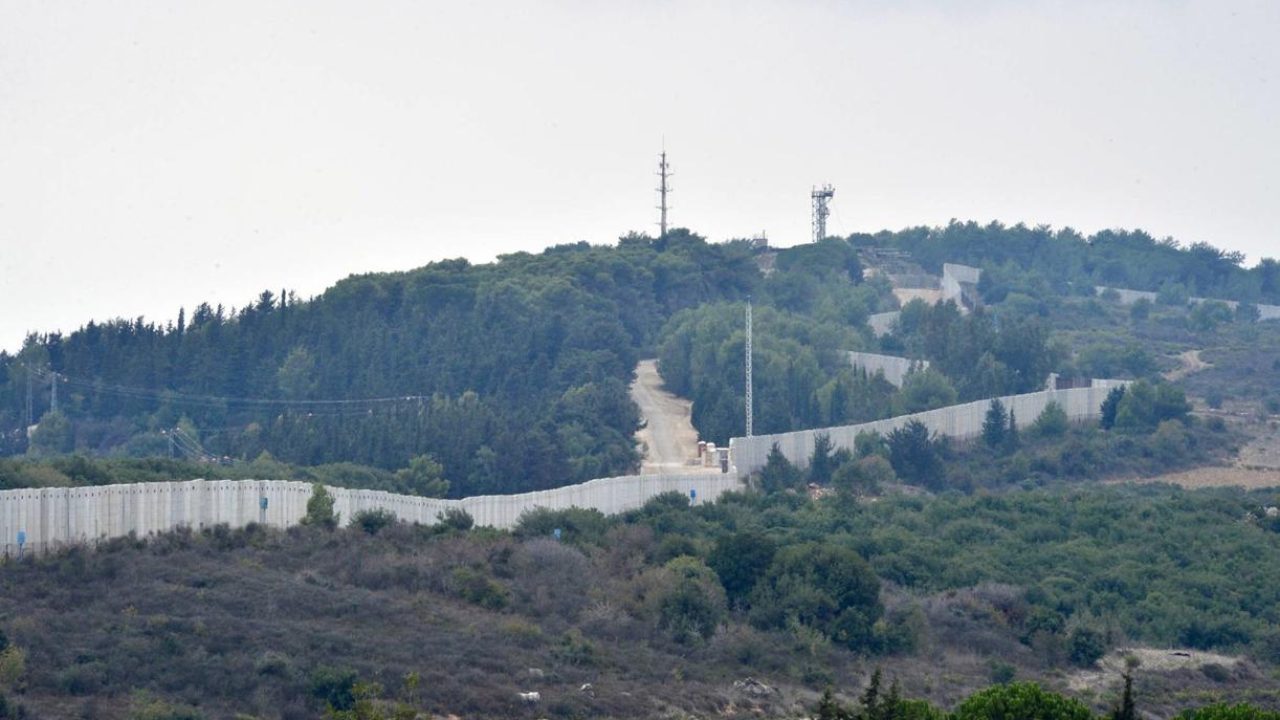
(470, 379)
(1069, 262)
(512, 375)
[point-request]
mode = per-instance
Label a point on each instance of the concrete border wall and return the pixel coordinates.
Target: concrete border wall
(954, 277)
(895, 368)
(882, 323)
(57, 517)
(1129, 297)
(956, 421)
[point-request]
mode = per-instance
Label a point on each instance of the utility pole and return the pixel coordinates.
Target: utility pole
(821, 196)
(664, 172)
(53, 392)
(748, 362)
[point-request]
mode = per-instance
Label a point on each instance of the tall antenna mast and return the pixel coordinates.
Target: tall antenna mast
(748, 359)
(664, 172)
(53, 392)
(821, 196)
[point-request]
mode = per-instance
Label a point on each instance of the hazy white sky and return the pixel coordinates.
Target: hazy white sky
(157, 154)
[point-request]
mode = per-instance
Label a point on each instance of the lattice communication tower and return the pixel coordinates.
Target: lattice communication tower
(821, 196)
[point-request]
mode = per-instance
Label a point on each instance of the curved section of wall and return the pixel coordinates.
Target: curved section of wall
(957, 421)
(49, 518)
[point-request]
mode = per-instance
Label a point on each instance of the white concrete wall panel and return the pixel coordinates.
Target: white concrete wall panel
(882, 323)
(1129, 297)
(56, 517)
(957, 421)
(952, 277)
(895, 368)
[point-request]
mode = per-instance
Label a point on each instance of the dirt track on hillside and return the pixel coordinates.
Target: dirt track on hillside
(1191, 362)
(1215, 477)
(668, 440)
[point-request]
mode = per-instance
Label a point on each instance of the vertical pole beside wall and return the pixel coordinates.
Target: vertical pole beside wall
(748, 363)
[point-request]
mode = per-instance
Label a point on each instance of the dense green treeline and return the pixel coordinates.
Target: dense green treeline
(800, 592)
(980, 354)
(1034, 260)
(801, 371)
(513, 374)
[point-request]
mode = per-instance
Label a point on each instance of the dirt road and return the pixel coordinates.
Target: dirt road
(1190, 362)
(1215, 477)
(668, 440)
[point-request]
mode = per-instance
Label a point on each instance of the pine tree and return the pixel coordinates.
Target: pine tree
(320, 508)
(1011, 439)
(1125, 710)
(871, 696)
(829, 708)
(993, 427)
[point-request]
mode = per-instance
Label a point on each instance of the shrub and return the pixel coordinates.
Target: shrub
(320, 508)
(145, 706)
(477, 588)
(1052, 422)
(1002, 673)
(1173, 294)
(778, 473)
(740, 560)
(424, 476)
(864, 476)
(828, 588)
(996, 424)
(1222, 711)
(1207, 316)
(373, 521)
(916, 456)
(1110, 406)
(1216, 672)
(576, 525)
(13, 663)
(925, 390)
(455, 519)
(575, 649)
(820, 463)
(869, 442)
(1026, 701)
(693, 604)
(333, 687)
(1085, 646)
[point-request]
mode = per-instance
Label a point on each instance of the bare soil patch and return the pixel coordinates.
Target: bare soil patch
(1188, 362)
(667, 438)
(1249, 478)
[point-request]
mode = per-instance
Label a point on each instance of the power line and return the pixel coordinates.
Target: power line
(139, 393)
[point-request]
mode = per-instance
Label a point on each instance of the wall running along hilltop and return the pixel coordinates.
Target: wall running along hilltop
(956, 421)
(56, 517)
